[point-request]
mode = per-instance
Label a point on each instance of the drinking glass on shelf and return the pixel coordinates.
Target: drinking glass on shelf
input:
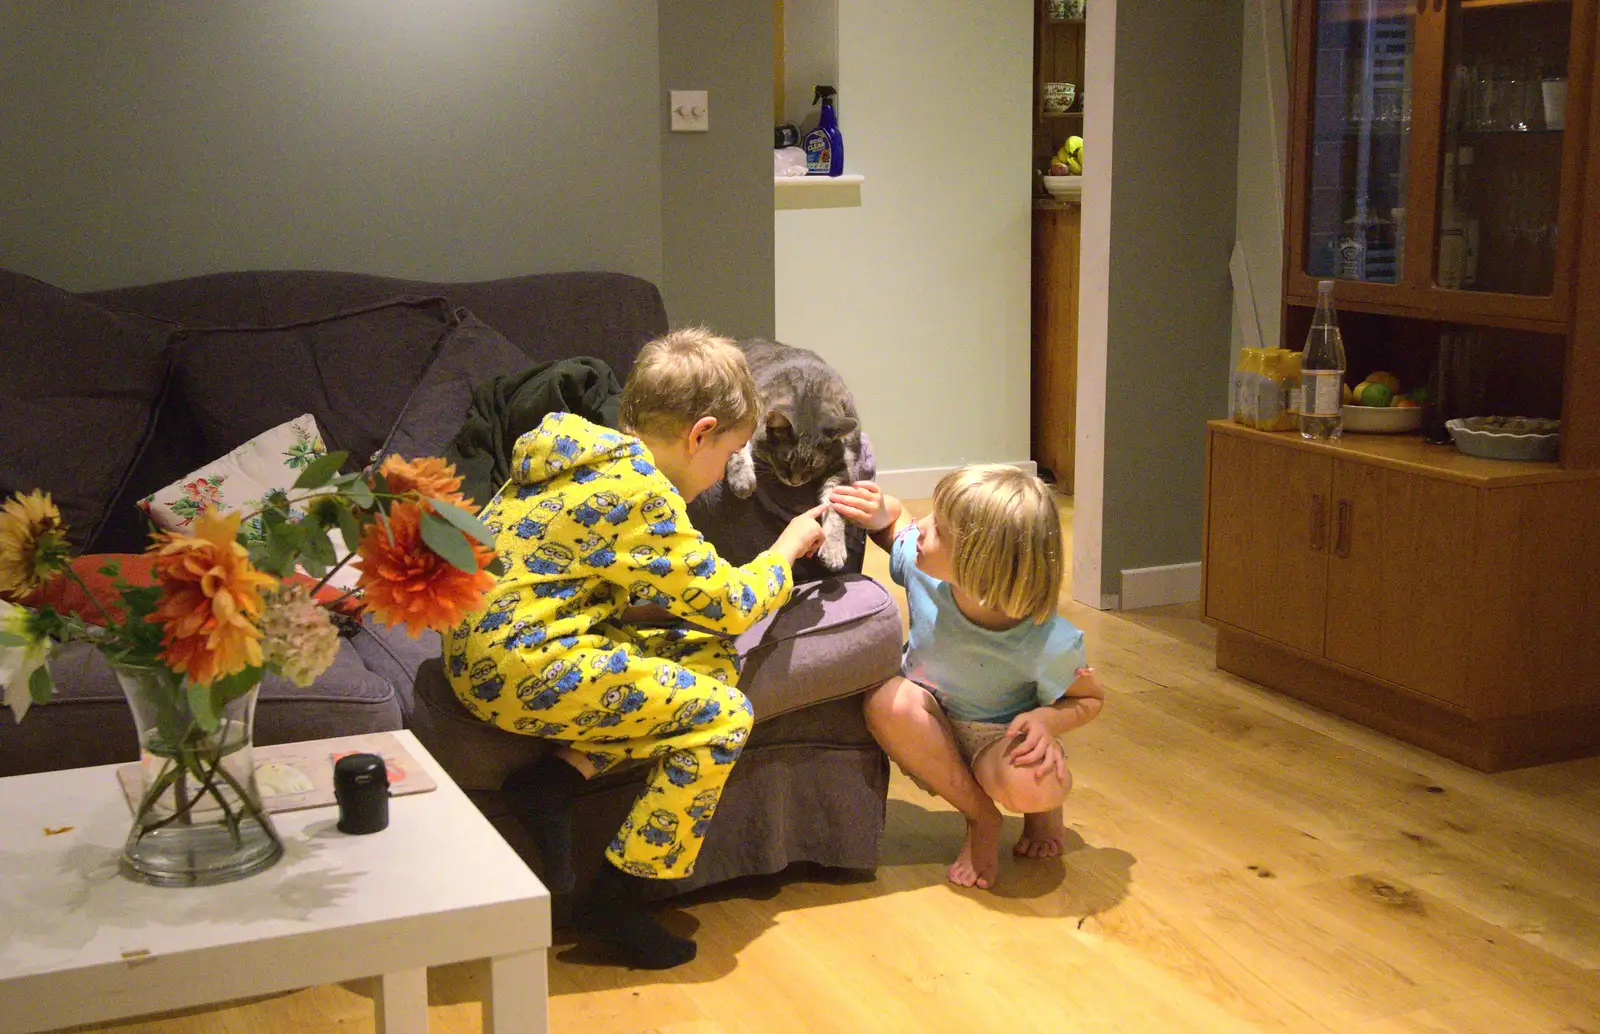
(1487, 104)
(1386, 108)
(1553, 99)
(1358, 109)
(1521, 110)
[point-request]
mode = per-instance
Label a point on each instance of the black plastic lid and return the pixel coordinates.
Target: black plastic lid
(355, 770)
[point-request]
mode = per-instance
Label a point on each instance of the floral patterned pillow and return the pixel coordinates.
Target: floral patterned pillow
(240, 481)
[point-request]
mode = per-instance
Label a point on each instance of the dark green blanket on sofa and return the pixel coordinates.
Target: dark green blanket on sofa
(505, 408)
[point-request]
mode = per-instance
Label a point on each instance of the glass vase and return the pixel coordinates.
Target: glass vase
(199, 818)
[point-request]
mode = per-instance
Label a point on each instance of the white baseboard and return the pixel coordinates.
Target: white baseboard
(1159, 586)
(919, 482)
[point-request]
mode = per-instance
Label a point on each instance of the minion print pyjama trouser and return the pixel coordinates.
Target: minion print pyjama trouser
(630, 693)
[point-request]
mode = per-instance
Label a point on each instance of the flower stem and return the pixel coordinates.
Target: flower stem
(334, 570)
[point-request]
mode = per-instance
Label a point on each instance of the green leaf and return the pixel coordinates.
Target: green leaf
(465, 521)
(226, 690)
(40, 685)
(12, 639)
(203, 707)
(349, 529)
(321, 470)
(282, 546)
(316, 546)
(360, 494)
(445, 540)
(112, 570)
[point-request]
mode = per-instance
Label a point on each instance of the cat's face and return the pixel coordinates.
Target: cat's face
(801, 450)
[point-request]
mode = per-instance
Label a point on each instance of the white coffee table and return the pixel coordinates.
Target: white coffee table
(79, 943)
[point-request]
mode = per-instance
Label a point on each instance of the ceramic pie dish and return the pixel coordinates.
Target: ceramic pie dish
(1506, 438)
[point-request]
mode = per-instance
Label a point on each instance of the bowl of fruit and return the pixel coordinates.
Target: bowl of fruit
(1065, 178)
(1377, 406)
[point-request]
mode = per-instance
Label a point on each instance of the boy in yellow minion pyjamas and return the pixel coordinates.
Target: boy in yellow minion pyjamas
(594, 527)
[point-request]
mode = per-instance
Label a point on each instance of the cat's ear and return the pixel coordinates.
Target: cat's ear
(842, 427)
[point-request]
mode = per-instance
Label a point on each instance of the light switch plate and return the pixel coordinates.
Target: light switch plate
(691, 111)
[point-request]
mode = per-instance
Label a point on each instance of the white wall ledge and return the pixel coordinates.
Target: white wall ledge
(791, 192)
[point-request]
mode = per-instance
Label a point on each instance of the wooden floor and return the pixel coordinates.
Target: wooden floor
(1235, 862)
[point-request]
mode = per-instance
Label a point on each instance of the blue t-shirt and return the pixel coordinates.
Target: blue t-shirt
(979, 674)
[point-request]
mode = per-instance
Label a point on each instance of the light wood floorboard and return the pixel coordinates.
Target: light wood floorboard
(1236, 862)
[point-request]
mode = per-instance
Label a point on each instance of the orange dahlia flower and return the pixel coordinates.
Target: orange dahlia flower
(210, 599)
(405, 582)
(33, 542)
(429, 476)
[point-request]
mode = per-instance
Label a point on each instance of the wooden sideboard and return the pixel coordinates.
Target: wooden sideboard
(1448, 600)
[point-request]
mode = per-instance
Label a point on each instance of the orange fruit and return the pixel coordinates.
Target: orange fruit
(1387, 379)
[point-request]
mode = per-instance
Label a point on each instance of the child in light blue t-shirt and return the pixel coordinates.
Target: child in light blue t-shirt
(992, 675)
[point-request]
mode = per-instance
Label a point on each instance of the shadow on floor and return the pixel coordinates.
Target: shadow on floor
(918, 846)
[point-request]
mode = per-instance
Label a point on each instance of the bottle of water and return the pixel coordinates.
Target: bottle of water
(1322, 371)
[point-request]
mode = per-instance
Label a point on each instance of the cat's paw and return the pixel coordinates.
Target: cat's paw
(741, 475)
(835, 548)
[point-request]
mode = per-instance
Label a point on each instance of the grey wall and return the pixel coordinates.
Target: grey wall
(1169, 304)
(441, 139)
(716, 187)
(435, 138)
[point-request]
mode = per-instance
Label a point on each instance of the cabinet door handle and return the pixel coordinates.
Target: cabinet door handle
(1319, 524)
(1422, 6)
(1341, 536)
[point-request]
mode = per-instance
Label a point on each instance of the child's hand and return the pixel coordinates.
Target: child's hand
(803, 536)
(1032, 744)
(862, 503)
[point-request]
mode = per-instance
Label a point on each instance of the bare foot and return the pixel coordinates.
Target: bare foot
(978, 864)
(1042, 835)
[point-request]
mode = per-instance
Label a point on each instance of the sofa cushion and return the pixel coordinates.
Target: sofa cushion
(88, 722)
(67, 595)
(834, 639)
(173, 447)
(547, 315)
(471, 351)
(271, 460)
(80, 387)
(394, 654)
(352, 371)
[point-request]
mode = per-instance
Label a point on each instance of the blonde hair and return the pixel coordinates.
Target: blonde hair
(685, 375)
(1005, 537)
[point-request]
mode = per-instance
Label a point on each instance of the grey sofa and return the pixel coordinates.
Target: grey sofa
(113, 394)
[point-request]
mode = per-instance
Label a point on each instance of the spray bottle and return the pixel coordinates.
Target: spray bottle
(825, 144)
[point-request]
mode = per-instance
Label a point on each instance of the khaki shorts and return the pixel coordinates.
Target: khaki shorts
(971, 738)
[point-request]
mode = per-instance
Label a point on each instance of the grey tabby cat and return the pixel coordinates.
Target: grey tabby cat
(809, 433)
